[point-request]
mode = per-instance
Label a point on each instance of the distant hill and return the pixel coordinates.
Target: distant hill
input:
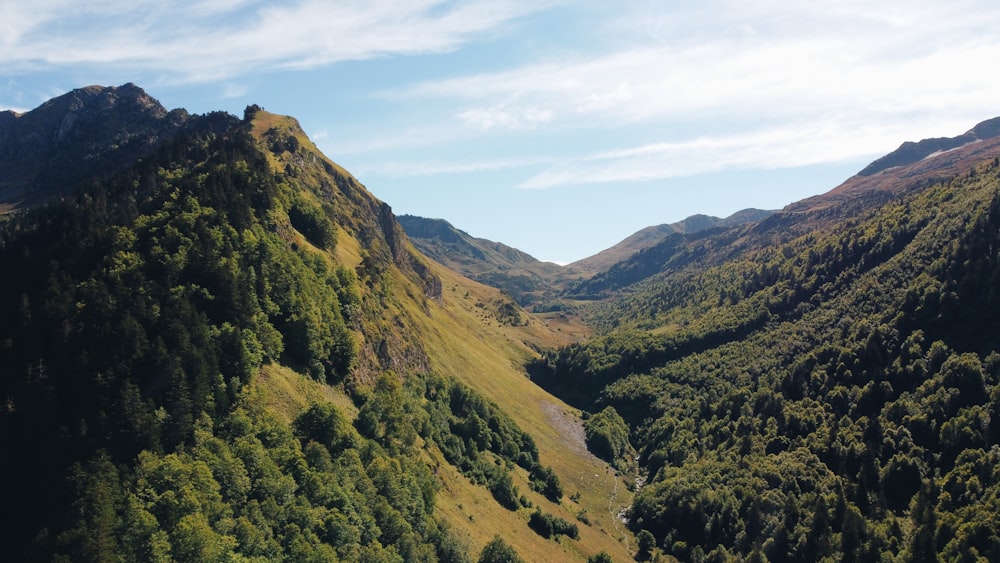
(651, 236)
(533, 282)
(524, 277)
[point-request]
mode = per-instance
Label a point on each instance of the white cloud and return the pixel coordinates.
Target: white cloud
(436, 167)
(718, 84)
(748, 85)
(231, 90)
(784, 75)
(13, 108)
(203, 41)
(778, 148)
(507, 116)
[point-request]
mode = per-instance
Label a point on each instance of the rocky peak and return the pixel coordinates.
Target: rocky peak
(99, 125)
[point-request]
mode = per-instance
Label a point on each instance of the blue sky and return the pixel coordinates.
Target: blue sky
(557, 127)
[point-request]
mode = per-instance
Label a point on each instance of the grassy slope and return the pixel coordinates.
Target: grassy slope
(466, 341)
(490, 362)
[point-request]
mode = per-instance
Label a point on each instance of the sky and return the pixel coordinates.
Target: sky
(556, 127)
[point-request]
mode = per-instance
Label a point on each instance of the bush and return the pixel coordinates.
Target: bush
(499, 551)
(546, 482)
(502, 488)
(548, 525)
(607, 436)
(313, 224)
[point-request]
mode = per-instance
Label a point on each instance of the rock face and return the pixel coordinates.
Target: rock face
(104, 128)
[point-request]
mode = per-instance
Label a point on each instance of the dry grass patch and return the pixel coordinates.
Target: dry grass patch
(489, 358)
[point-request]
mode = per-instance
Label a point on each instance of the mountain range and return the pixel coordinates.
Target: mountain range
(216, 344)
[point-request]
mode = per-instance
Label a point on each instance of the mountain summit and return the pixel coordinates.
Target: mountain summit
(91, 130)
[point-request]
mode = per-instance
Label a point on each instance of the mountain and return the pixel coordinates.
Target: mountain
(219, 345)
(539, 284)
(661, 251)
(216, 344)
(821, 385)
(913, 165)
(651, 236)
(910, 152)
(98, 129)
(524, 277)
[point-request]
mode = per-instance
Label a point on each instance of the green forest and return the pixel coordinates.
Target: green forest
(832, 397)
(142, 307)
(819, 385)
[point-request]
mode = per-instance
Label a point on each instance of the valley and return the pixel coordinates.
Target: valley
(216, 344)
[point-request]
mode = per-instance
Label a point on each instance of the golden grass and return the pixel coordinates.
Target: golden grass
(464, 339)
(286, 393)
(464, 342)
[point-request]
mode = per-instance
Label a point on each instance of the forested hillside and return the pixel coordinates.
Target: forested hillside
(833, 395)
(140, 305)
(216, 344)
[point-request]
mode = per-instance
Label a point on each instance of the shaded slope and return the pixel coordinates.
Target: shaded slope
(96, 128)
(527, 279)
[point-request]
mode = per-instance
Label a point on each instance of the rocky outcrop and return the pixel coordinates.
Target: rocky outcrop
(98, 128)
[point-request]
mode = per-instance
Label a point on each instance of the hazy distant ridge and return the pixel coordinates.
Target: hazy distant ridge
(651, 236)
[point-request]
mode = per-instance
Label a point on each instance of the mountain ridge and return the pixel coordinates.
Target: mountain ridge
(650, 236)
(521, 275)
(913, 166)
(533, 282)
(910, 152)
(215, 317)
(220, 345)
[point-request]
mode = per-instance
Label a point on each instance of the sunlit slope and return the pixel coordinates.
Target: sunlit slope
(436, 319)
(464, 338)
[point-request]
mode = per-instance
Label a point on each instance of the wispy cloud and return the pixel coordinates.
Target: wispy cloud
(437, 167)
(507, 116)
(766, 149)
(755, 84)
(816, 68)
(201, 41)
(679, 88)
(13, 108)
(231, 90)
